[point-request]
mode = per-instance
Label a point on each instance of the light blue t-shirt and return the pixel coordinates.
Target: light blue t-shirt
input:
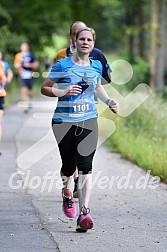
(82, 106)
(6, 66)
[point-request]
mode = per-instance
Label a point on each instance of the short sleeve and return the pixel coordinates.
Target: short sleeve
(18, 58)
(100, 70)
(61, 55)
(7, 67)
(97, 68)
(55, 72)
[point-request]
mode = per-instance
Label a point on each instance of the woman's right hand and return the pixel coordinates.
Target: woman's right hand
(48, 89)
(73, 90)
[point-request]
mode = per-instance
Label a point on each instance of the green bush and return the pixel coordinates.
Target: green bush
(140, 73)
(164, 92)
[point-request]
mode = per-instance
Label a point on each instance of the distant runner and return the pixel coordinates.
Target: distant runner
(6, 76)
(25, 62)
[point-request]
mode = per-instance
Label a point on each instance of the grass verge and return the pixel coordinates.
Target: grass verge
(142, 137)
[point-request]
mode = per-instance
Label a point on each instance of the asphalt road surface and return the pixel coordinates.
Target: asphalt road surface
(129, 207)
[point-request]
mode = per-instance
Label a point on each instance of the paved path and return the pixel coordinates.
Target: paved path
(129, 214)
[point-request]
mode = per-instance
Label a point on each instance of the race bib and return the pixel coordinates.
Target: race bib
(79, 108)
(26, 74)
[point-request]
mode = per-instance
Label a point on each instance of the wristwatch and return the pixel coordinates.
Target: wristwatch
(108, 101)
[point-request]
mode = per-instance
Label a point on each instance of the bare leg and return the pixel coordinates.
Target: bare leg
(25, 97)
(84, 221)
(84, 189)
(67, 183)
(24, 94)
(75, 191)
(68, 202)
(30, 96)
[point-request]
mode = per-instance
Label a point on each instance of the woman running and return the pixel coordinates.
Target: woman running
(74, 122)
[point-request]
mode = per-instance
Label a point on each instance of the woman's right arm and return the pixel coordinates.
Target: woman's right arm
(49, 90)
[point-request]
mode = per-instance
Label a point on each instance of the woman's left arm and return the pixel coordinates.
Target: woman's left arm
(102, 95)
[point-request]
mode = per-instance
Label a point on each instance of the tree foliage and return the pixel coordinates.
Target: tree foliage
(36, 22)
(121, 25)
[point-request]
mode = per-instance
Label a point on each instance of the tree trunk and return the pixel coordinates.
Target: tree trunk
(158, 45)
(142, 35)
(131, 22)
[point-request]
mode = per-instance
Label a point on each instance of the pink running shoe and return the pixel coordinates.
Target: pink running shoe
(69, 206)
(84, 221)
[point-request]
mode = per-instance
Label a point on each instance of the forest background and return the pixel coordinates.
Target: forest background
(131, 30)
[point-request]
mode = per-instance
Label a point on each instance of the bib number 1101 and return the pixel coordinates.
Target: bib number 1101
(81, 107)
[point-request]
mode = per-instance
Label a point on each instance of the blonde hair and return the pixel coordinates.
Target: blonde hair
(86, 29)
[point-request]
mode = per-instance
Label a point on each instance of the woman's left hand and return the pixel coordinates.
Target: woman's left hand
(114, 106)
